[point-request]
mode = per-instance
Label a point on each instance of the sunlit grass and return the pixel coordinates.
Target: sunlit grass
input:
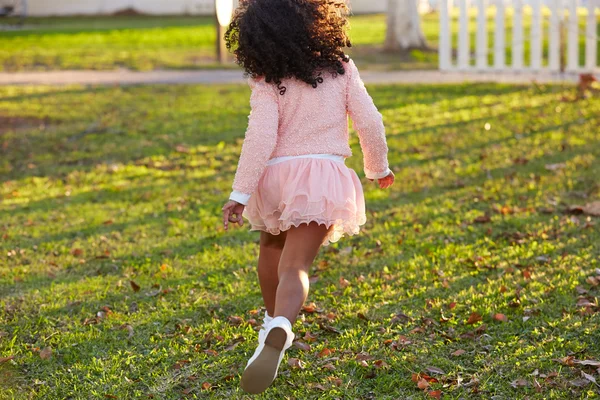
(146, 43)
(103, 186)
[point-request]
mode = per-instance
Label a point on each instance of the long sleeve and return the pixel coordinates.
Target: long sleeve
(260, 140)
(368, 122)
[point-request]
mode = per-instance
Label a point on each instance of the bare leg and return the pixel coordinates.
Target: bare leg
(301, 248)
(271, 247)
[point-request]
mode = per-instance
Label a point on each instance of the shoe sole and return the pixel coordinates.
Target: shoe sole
(259, 375)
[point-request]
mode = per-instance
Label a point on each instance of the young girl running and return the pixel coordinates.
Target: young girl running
(291, 182)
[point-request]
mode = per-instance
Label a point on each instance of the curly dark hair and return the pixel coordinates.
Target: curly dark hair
(278, 39)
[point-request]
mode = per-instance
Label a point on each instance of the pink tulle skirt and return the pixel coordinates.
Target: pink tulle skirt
(303, 190)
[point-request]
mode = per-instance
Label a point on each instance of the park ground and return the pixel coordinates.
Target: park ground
(148, 43)
(477, 276)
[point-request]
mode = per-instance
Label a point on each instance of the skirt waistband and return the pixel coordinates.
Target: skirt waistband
(332, 157)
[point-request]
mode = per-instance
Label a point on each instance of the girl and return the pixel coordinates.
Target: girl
(291, 182)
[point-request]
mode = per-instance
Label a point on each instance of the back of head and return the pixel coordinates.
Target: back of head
(279, 39)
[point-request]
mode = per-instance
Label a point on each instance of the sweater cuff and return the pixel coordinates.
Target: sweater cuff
(239, 197)
(377, 175)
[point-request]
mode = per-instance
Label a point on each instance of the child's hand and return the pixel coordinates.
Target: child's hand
(232, 212)
(386, 182)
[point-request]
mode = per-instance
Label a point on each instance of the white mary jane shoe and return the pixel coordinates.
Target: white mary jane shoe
(262, 368)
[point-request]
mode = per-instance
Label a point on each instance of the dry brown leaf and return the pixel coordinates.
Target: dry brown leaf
(593, 363)
(484, 219)
(519, 383)
(5, 359)
(135, 286)
(310, 337)
(592, 209)
(435, 370)
(310, 308)
(187, 391)
(422, 384)
(295, 363)
(474, 318)
(336, 381)
(452, 305)
(329, 366)
(500, 317)
(459, 352)
(344, 282)
(380, 364)
(235, 320)
(363, 363)
(46, 353)
(363, 356)
(325, 352)
(211, 352)
(77, 252)
(436, 394)
(301, 345)
(206, 386)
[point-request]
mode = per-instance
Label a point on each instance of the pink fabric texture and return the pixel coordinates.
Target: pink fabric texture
(306, 190)
(310, 121)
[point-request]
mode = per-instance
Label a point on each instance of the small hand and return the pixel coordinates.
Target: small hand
(232, 212)
(386, 182)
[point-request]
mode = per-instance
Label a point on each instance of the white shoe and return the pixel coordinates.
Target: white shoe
(263, 332)
(262, 368)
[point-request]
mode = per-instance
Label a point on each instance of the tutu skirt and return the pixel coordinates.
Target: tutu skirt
(299, 190)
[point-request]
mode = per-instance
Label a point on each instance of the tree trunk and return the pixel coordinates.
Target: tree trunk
(404, 31)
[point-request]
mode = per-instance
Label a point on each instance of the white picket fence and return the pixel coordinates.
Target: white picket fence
(557, 10)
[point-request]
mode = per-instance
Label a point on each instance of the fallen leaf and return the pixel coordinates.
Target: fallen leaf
(422, 384)
(363, 363)
(46, 353)
(302, 346)
(380, 364)
(325, 352)
(310, 308)
(206, 386)
(362, 316)
(329, 366)
(5, 359)
(474, 318)
(501, 317)
(400, 317)
(135, 286)
(182, 149)
(211, 352)
(435, 370)
(187, 391)
(593, 363)
(589, 377)
(336, 381)
(344, 282)
(320, 387)
(108, 222)
(484, 219)
(436, 394)
(555, 167)
(519, 383)
(309, 337)
(579, 382)
(363, 356)
(77, 252)
(235, 320)
(129, 329)
(459, 352)
(295, 363)
(452, 305)
(592, 209)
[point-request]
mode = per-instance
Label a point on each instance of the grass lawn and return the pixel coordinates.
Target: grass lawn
(146, 43)
(116, 280)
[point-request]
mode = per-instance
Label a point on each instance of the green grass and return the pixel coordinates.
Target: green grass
(146, 43)
(103, 186)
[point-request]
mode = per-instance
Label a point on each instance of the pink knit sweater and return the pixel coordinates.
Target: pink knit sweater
(306, 120)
